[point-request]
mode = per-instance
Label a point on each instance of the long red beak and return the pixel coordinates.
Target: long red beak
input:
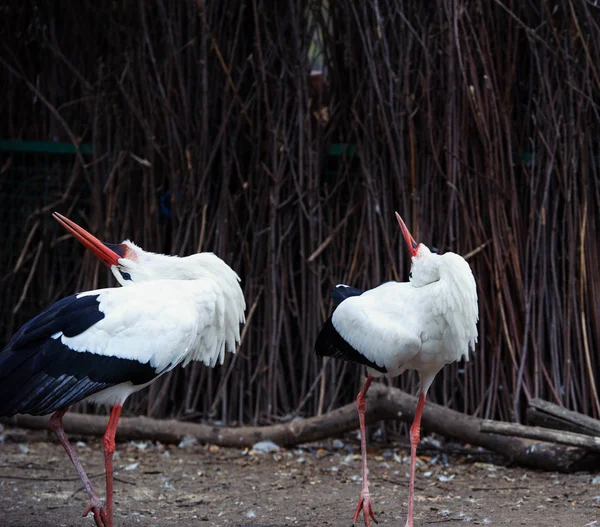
(100, 250)
(413, 246)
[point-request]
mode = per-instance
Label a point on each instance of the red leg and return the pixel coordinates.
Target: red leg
(56, 425)
(365, 498)
(109, 449)
(415, 436)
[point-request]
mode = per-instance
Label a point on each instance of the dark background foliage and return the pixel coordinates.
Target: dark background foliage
(478, 121)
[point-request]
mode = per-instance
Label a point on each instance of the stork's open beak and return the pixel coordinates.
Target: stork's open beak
(107, 253)
(410, 241)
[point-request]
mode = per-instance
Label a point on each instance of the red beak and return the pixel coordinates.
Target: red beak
(410, 241)
(100, 250)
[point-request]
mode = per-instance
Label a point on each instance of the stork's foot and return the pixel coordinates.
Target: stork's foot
(365, 504)
(100, 516)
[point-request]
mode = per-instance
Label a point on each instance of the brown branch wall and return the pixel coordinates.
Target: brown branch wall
(478, 121)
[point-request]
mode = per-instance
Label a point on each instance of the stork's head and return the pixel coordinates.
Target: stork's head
(121, 258)
(130, 263)
(425, 267)
(455, 293)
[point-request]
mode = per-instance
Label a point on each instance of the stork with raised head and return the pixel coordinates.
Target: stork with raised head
(421, 325)
(130, 263)
(106, 344)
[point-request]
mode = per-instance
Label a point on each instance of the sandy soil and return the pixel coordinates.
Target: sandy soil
(316, 485)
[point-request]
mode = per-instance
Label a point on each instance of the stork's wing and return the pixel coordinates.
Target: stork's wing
(148, 322)
(164, 323)
(40, 374)
(375, 328)
(331, 344)
(86, 343)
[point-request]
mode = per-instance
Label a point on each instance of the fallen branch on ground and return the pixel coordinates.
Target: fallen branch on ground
(382, 403)
(549, 415)
(541, 434)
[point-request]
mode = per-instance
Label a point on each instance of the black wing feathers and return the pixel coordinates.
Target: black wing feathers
(331, 344)
(39, 374)
(340, 292)
(70, 315)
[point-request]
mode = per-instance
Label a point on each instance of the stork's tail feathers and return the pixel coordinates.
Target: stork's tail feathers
(340, 292)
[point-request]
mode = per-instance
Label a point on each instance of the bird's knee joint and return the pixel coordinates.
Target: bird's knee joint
(55, 422)
(415, 436)
(361, 403)
(109, 444)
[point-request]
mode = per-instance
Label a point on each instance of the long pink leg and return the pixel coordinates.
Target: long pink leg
(365, 498)
(56, 425)
(415, 436)
(109, 449)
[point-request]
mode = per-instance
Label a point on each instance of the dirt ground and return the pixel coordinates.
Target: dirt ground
(192, 484)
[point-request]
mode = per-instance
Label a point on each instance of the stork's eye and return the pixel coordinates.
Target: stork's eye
(126, 276)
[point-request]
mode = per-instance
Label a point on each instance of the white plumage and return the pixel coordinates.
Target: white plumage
(164, 323)
(421, 325)
(172, 310)
(106, 344)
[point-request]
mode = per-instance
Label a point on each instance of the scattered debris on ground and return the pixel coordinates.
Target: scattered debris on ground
(266, 485)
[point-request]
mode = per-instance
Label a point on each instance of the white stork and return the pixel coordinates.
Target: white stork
(421, 325)
(106, 344)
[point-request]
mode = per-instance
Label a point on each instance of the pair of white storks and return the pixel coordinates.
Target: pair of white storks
(106, 344)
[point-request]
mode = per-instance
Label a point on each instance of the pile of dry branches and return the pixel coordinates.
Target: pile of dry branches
(477, 121)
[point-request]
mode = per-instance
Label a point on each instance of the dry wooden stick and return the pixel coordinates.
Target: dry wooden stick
(333, 234)
(38, 252)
